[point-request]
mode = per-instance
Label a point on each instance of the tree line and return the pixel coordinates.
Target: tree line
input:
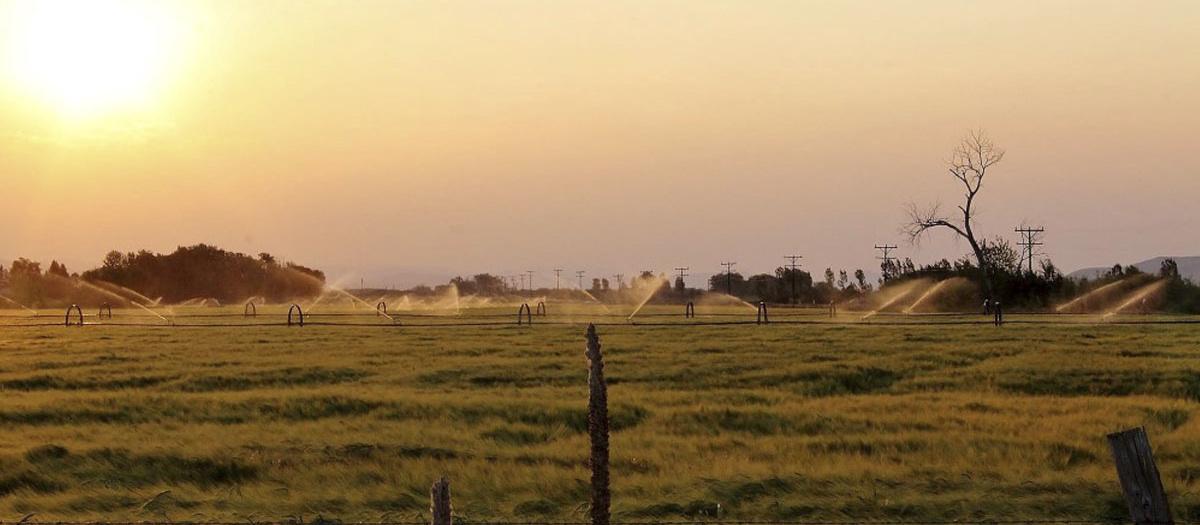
(190, 272)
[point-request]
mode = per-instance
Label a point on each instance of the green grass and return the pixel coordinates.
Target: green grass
(753, 422)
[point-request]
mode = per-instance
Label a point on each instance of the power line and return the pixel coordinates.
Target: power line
(1030, 240)
(729, 276)
(793, 266)
(682, 273)
(886, 258)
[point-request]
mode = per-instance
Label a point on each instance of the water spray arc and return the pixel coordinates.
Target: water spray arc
(653, 289)
(928, 293)
(26, 308)
(1138, 296)
(1084, 298)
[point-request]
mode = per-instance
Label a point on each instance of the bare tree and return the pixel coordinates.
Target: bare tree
(968, 164)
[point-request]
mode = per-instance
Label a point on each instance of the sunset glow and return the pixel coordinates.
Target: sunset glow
(88, 58)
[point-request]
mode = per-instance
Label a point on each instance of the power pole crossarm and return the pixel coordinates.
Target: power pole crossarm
(729, 276)
(793, 266)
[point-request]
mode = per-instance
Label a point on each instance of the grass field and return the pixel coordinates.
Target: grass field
(801, 421)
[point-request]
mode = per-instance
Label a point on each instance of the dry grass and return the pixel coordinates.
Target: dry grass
(772, 422)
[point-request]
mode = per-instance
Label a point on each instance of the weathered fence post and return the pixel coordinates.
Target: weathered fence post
(439, 502)
(1140, 483)
(598, 429)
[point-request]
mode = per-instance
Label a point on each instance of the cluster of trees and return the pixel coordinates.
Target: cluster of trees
(204, 271)
(793, 286)
(199, 271)
(1005, 276)
(26, 284)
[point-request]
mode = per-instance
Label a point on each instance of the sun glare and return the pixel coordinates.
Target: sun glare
(91, 57)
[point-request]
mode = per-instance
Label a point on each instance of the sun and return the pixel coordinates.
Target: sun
(91, 57)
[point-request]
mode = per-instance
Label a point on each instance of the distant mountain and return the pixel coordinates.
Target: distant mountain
(1189, 268)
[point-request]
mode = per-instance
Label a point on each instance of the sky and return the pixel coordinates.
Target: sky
(402, 141)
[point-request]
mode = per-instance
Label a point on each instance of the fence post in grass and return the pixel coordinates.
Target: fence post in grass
(598, 429)
(1140, 482)
(439, 502)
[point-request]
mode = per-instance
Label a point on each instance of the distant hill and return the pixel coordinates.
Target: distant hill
(1189, 268)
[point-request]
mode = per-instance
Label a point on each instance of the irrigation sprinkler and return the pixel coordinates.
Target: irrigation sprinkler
(999, 311)
(380, 309)
(762, 314)
(249, 310)
(78, 312)
(541, 309)
(525, 312)
(689, 310)
(832, 309)
(104, 309)
(295, 308)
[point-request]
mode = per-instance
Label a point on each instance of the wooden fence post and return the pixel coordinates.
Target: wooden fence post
(1140, 482)
(439, 501)
(598, 429)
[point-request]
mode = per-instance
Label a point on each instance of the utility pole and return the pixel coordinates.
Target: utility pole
(793, 266)
(557, 274)
(522, 288)
(1030, 239)
(682, 273)
(620, 277)
(887, 256)
(579, 274)
(530, 272)
(729, 277)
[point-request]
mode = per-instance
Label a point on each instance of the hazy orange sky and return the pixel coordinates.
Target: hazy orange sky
(405, 138)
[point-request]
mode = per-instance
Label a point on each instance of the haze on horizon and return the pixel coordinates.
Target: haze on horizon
(462, 137)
